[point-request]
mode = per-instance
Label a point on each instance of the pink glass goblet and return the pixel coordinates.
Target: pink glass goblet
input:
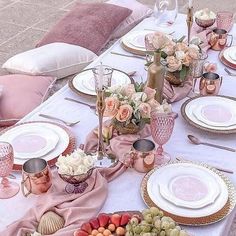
(7, 189)
(162, 125)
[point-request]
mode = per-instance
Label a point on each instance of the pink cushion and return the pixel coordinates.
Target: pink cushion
(87, 25)
(20, 95)
(139, 12)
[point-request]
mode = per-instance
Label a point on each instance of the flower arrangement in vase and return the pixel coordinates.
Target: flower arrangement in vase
(130, 106)
(177, 55)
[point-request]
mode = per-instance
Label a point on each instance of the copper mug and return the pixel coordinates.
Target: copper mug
(218, 39)
(210, 84)
(36, 176)
(143, 155)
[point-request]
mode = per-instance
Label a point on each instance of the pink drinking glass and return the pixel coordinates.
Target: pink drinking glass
(7, 189)
(162, 125)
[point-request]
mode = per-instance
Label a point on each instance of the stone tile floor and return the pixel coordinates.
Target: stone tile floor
(24, 22)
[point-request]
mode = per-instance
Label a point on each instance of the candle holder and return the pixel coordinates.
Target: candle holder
(102, 76)
(189, 21)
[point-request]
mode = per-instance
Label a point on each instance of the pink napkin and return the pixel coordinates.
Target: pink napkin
(204, 35)
(173, 94)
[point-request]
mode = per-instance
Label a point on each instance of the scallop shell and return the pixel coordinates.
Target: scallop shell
(50, 223)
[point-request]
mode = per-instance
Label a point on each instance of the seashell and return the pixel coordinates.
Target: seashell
(50, 223)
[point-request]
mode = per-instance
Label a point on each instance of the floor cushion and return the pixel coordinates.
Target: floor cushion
(54, 59)
(87, 25)
(21, 94)
(139, 12)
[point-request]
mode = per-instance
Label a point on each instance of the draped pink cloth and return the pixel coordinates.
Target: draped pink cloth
(77, 208)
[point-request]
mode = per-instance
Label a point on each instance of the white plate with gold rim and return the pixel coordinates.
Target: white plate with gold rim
(84, 81)
(229, 55)
(155, 195)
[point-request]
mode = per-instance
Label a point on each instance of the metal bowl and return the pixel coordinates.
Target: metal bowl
(205, 23)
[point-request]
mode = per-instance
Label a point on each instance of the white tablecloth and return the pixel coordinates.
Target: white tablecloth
(124, 191)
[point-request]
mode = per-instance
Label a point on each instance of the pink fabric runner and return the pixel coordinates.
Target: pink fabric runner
(77, 208)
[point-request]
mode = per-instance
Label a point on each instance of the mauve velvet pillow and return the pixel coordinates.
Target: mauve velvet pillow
(87, 25)
(21, 94)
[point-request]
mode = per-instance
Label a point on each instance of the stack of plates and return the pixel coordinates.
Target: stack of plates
(134, 41)
(84, 82)
(212, 113)
(191, 193)
(36, 140)
(228, 57)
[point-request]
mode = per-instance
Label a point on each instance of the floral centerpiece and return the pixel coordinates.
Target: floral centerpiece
(130, 107)
(177, 55)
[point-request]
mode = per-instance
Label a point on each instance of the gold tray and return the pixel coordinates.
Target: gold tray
(217, 131)
(229, 206)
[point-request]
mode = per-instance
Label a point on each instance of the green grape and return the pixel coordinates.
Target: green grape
(162, 233)
(172, 225)
(183, 233)
(147, 234)
(156, 231)
(128, 233)
(161, 214)
(168, 232)
(166, 218)
(154, 211)
(145, 212)
(178, 227)
(174, 232)
(157, 224)
(156, 218)
(148, 218)
(137, 229)
(165, 225)
(146, 228)
(128, 227)
(134, 221)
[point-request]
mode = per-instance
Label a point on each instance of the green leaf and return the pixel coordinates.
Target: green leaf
(183, 73)
(181, 39)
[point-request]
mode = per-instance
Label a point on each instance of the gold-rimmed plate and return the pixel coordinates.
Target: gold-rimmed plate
(188, 107)
(83, 83)
(194, 221)
(225, 61)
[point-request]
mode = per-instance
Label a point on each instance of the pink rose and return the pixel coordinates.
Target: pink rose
(145, 110)
(193, 53)
(150, 92)
(187, 60)
(210, 67)
(160, 39)
(153, 104)
(124, 113)
(181, 47)
(111, 106)
(173, 64)
(129, 90)
(169, 48)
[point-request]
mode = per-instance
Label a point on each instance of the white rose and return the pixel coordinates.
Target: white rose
(139, 96)
(180, 55)
(194, 46)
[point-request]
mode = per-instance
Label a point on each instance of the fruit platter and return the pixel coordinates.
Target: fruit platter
(149, 222)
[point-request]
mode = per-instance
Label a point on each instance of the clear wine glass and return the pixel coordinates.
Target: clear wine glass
(8, 189)
(165, 12)
(162, 125)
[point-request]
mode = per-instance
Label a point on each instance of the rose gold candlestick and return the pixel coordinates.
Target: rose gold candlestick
(189, 21)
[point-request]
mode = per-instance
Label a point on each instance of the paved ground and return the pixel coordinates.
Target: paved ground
(24, 22)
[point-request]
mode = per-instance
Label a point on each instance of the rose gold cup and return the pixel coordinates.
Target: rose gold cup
(218, 39)
(224, 20)
(210, 84)
(36, 176)
(142, 153)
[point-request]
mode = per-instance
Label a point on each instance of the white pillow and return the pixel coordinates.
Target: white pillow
(140, 12)
(54, 59)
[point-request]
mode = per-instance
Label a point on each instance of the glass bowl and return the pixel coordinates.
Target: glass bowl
(204, 23)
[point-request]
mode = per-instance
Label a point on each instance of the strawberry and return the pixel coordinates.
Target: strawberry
(86, 227)
(125, 219)
(115, 219)
(80, 233)
(103, 219)
(94, 223)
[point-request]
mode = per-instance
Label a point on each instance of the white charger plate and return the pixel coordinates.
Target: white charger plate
(61, 146)
(229, 55)
(186, 189)
(84, 81)
(218, 113)
(189, 106)
(159, 200)
(31, 142)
